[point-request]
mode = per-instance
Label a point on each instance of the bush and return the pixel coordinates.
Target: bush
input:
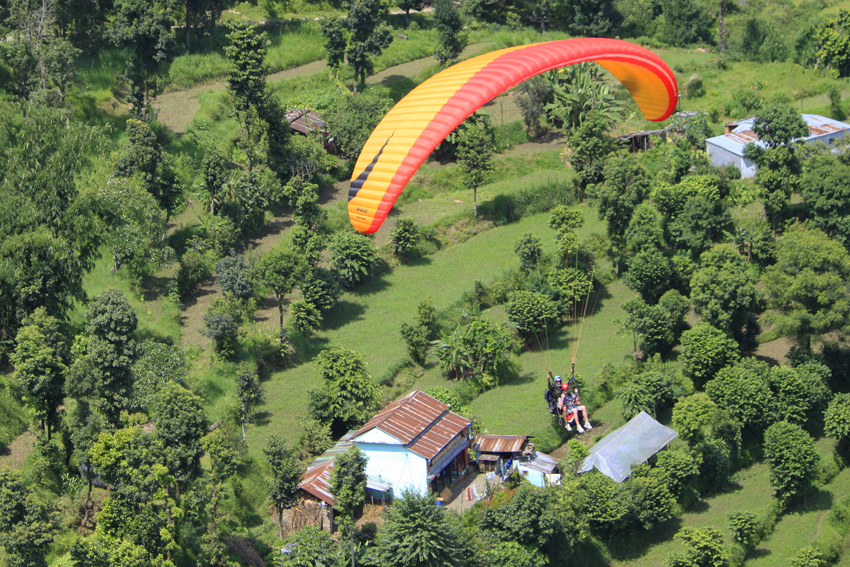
(745, 529)
(305, 316)
(221, 325)
(404, 237)
(531, 313)
(792, 457)
(353, 256)
(705, 351)
(837, 417)
(234, 277)
(194, 267)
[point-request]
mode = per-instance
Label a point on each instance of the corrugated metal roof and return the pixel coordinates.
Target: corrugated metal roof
(500, 443)
(304, 121)
(541, 462)
(317, 481)
(743, 134)
(486, 457)
(422, 423)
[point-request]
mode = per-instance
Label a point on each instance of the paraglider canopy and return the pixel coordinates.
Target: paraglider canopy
(418, 123)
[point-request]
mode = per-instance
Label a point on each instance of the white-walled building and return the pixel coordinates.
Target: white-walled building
(729, 148)
(414, 443)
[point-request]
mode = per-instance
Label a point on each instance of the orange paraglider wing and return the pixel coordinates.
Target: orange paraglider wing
(420, 121)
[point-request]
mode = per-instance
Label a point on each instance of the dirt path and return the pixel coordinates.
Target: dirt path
(178, 108)
(17, 451)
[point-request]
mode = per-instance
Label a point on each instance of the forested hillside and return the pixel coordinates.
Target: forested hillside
(188, 319)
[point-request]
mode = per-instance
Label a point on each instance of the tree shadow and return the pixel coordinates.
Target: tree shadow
(374, 285)
(262, 418)
(203, 288)
(757, 553)
(817, 501)
(632, 546)
(154, 287)
(343, 313)
(399, 85)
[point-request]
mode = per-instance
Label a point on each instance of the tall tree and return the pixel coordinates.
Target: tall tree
(144, 158)
(588, 146)
(46, 237)
(248, 393)
(144, 27)
(348, 486)
(452, 40)
(286, 474)
(626, 186)
(407, 6)
(825, 187)
(42, 59)
(792, 457)
(246, 82)
(110, 352)
(281, 270)
(723, 291)
(347, 396)
(224, 459)
(27, 525)
(475, 156)
(40, 362)
(807, 289)
(417, 533)
(134, 227)
(180, 425)
(369, 36)
(777, 126)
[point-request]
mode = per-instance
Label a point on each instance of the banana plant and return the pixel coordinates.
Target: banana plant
(578, 91)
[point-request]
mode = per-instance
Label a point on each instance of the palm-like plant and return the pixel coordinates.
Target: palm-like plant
(578, 92)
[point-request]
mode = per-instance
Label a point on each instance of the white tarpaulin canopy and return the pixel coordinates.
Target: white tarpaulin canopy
(631, 444)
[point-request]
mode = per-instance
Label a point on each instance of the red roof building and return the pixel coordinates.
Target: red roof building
(415, 443)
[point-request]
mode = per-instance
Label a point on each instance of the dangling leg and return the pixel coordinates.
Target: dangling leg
(575, 417)
(586, 419)
(567, 417)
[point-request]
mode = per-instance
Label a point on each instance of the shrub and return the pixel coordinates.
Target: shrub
(193, 268)
(234, 277)
(531, 313)
(792, 457)
(221, 325)
(404, 237)
(353, 256)
(745, 529)
(305, 316)
(529, 250)
(706, 350)
(837, 417)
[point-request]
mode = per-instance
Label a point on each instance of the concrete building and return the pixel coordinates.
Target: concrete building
(729, 148)
(414, 443)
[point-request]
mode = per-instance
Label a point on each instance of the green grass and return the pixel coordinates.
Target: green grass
(13, 415)
(158, 319)
(368, 319)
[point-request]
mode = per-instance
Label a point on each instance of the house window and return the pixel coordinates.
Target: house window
(830, 141)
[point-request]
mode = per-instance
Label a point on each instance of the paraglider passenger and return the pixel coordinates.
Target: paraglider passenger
(569, 404)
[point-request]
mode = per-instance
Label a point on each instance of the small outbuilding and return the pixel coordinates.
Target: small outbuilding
(495, 452)
(728, 149)
(632, 444)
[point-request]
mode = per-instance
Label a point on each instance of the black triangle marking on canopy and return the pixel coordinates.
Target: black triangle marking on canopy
(357, 184)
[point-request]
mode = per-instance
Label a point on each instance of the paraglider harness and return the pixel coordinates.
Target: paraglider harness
(553, 400)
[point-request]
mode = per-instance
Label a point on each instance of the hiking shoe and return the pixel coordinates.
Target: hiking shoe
(569, 428)
(580, 430)
(587, 425)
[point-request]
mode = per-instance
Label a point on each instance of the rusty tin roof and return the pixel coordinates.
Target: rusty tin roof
(421, 422)
(500, 443)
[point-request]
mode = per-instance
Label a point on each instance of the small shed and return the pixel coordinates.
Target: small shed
(495, 451)
(305, 121)
(629, 445)
(539, 469)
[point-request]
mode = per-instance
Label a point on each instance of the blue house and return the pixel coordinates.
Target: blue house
(415, 443)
